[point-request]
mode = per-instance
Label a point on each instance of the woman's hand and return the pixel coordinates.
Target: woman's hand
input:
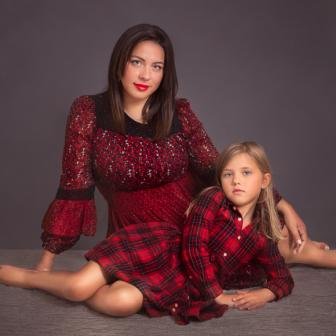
(248, 300)
(295, 225)
(46, 262)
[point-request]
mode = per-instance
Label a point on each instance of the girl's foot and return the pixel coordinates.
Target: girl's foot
(321, 245)
(14, 276)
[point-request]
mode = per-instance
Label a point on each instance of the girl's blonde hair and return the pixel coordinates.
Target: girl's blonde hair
(268, 223)
(268, 220)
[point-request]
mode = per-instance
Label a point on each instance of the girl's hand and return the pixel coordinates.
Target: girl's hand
(248, 300)
(295, 226)
(46, 262)
(226, 299)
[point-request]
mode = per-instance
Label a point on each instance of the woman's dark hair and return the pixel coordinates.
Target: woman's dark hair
(159, 109)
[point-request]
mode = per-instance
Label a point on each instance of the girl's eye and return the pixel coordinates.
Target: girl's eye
(247, 172)
(227, 174)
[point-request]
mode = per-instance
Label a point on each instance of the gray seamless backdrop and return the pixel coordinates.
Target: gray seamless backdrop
(262, 70)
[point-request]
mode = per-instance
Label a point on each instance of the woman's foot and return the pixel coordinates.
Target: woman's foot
(14, 276)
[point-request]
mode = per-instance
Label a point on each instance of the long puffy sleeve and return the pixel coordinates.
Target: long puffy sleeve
(195, 247)
(202, 152)
(279, 279)
(73, 212)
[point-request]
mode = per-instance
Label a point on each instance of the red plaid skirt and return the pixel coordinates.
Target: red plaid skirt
(148, 256)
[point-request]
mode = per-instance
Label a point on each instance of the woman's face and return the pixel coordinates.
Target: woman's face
(143, 72)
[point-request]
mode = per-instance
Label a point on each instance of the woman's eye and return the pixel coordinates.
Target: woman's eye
(157, 67)
(135, 62)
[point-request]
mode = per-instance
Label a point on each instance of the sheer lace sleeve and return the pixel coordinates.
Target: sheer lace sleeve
(72, 212)
(202, 152)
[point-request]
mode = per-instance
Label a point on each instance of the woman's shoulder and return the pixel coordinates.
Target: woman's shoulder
(82, 112)
(188, 119)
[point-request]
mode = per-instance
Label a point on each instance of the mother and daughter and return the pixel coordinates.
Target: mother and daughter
(149, 155)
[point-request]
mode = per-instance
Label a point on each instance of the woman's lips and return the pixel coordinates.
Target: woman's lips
(141, 87)
(236, 191)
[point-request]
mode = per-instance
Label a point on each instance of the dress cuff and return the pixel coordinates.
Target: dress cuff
(66, 220)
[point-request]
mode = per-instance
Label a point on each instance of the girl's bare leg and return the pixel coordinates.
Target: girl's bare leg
(118, 299)
(73, 286)
(313, 253)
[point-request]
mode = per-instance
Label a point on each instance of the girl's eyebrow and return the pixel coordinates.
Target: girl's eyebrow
(142, 59)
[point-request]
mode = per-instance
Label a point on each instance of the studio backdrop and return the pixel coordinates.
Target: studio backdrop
(260, 70)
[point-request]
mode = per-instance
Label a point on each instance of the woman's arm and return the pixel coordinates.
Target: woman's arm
(202, 153)
(46, 261)
(72, 212)
(295, 225)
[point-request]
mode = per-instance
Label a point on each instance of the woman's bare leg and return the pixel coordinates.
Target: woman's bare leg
(73, 286)
(313, 253)
(118, 299)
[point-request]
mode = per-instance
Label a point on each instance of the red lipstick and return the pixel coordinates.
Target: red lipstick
(141, 87)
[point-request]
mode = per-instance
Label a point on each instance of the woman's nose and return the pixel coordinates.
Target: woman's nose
(144, 73)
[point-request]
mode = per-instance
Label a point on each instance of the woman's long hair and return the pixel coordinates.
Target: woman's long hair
(159, 108)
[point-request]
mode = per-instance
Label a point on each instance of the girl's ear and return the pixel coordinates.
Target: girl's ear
(266, 180)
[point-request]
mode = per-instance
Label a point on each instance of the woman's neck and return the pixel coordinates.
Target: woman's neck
(133, 108)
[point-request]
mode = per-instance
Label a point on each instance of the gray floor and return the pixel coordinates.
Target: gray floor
(310, 310)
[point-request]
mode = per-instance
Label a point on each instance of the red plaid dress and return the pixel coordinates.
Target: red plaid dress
(215, 250)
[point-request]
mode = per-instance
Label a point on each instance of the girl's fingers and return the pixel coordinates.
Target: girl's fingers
(241, 302)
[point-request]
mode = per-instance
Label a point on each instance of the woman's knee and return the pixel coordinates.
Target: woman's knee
(80, 287)
(83, 284)
(129, 300)
(119, 300)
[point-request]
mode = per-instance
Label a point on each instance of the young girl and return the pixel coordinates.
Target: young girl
(221, 235)
(234, 225)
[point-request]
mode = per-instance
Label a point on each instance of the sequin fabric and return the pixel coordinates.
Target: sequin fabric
(141, 179)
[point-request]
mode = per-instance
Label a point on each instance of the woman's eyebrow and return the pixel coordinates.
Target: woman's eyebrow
(142, 59)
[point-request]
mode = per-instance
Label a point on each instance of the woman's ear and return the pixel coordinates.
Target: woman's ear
(266, 180)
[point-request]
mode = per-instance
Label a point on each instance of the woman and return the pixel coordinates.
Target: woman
(147, 153)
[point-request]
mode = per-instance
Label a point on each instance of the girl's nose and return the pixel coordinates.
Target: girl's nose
(235, 180)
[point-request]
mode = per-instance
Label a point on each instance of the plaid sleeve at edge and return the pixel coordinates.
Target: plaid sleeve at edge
(279, 279)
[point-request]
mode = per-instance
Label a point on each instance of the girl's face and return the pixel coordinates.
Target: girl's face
(242, 181)
(143, 72)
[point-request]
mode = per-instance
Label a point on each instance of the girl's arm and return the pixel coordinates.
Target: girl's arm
(195, 249)
(72, 212)
(279, 281)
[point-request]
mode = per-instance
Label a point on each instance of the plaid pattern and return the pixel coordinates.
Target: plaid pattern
(215, 248)
(147, 255)
(217, 255)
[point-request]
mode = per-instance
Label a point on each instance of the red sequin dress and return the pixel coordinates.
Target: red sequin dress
(141, 179)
